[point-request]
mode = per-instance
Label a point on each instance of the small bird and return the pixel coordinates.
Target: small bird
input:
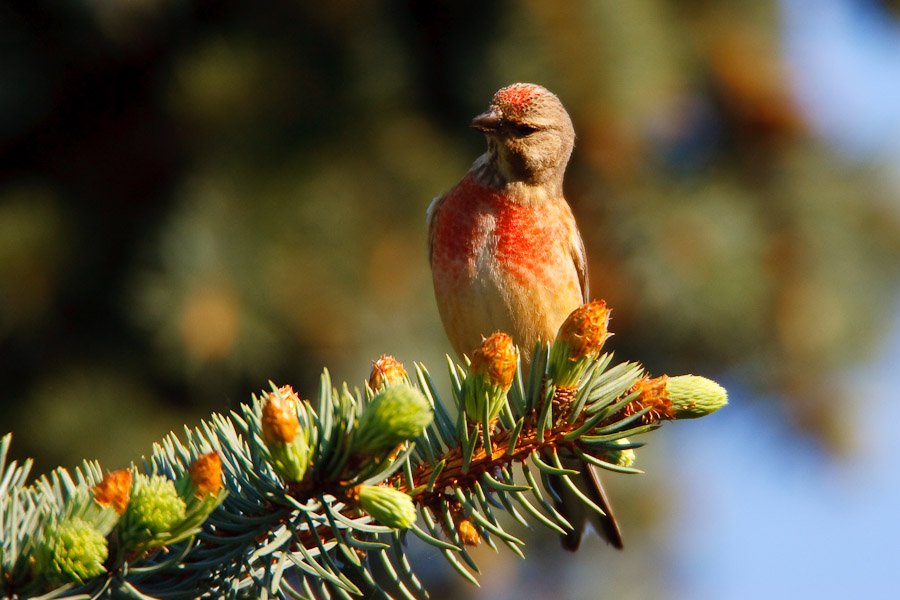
(506, 254)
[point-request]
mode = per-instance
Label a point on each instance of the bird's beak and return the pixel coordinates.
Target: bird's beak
(487, 122)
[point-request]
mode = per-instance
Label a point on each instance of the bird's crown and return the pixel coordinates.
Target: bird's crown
(518, 97)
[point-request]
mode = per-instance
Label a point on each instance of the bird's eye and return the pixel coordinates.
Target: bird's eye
(523, 129)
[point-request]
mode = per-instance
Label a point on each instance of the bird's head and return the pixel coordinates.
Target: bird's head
(529, 133)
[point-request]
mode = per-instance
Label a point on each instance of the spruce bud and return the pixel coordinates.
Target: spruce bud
(386, 371)
(154, 511)
(394, 415)
(387, 505)
(286, 440)
(72, 550)
(578, 343)
(491, 374)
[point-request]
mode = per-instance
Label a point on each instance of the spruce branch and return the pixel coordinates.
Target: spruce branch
(316, 498)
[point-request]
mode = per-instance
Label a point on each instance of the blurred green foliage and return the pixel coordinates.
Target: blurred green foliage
(200, 196)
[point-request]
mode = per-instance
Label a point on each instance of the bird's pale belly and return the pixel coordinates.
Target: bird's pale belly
(487, 291)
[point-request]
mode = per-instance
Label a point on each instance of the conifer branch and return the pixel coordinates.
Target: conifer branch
(314, 499)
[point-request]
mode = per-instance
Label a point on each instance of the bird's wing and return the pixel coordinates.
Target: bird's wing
(430, 214)
(576, 250)
(607, 526)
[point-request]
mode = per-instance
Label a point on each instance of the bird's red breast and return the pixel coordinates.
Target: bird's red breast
(474, 219)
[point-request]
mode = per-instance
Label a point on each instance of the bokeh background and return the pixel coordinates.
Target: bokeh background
(200, 196)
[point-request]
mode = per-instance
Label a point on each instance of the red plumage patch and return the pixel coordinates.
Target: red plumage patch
(475, 219)
(518, 95)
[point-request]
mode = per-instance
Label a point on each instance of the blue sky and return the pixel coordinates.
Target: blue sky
(767, 514)
(843, 58)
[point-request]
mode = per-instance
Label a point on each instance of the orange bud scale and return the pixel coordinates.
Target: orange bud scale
(114, 490)
(206, 474)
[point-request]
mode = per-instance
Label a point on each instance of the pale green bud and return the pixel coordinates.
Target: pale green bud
(71, 551)
(622, 457)
(394, 415)
(693, 396)
(155, 510)
(387, 505)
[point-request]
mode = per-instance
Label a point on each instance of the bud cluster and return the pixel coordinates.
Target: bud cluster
(143, 511)
(162, 511)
